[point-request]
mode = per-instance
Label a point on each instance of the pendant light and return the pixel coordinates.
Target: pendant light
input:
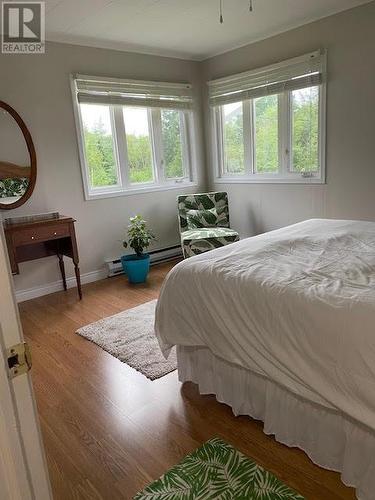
(221, 18)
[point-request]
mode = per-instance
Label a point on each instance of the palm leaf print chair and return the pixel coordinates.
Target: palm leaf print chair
(204, 222)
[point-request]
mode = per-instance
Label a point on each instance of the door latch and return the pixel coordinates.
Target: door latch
(19, 359)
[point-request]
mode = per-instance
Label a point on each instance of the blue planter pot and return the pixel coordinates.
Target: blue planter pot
(136, 267)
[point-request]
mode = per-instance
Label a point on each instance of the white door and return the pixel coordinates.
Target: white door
(23, 471)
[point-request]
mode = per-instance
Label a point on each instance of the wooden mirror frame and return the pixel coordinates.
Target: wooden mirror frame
(31, 149)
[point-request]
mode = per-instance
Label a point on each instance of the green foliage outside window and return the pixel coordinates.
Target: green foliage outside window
(140, 158)
(234, 142)
(171, 134)
(305, 134)
(305, 142)
(101, 159)
(305, 104)
(266, 134)
(100, 156)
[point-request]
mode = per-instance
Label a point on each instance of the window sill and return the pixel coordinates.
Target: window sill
(138, 190)
(269, 180)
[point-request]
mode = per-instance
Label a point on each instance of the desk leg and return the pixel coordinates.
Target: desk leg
(62, 269)
(75, 258)
(78, 278)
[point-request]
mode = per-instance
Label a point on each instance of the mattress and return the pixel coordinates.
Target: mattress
(295, 305)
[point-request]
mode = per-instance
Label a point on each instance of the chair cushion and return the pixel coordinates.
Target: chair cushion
(207, 233)
(196, 241)
(197, 219)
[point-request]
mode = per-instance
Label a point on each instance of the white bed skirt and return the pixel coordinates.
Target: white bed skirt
(330, 439)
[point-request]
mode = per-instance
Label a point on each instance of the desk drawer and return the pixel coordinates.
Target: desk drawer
(41, 233)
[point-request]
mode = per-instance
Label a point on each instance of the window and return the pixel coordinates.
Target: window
(139, 146)
(305, 130)
(171, 131)
(233, 138)
(266, 134)
(134, 136)
(99, 145)
(270, 123)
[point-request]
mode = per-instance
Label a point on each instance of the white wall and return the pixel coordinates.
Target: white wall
(349, 192)
(38, 88)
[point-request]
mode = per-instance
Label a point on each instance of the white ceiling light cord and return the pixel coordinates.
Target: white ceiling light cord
(251, 8)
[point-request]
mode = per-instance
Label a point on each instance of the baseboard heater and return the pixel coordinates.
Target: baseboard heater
(114, 267)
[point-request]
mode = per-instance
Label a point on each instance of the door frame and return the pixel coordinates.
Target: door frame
(23, 466)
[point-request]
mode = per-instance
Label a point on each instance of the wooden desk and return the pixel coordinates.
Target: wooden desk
(36, 239)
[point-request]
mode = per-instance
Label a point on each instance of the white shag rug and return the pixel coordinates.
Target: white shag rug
(130, 337)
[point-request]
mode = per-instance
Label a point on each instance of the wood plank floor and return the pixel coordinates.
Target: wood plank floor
(109, 431)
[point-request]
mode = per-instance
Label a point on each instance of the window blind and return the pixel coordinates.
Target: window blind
(114, 91)
(294, 74)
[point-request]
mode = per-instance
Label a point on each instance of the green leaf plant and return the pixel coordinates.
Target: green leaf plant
(139, 235)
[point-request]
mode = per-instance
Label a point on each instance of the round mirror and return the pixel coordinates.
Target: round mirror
(17, 159)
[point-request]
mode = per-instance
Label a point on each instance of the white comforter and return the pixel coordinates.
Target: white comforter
(296, 305)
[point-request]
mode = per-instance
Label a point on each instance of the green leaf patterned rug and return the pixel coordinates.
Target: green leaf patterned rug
(217, 471)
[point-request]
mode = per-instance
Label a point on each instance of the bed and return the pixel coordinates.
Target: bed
(281, 327)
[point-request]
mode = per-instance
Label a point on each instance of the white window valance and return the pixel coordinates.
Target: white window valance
(114, 91)
(297, 73)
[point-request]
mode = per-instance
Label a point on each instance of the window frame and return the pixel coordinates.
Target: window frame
(284, 175)
(116, 186)
(124, 187)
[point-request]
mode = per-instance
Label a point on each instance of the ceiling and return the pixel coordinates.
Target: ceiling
(179, 28)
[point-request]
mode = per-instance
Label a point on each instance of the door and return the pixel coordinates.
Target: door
(23, 471)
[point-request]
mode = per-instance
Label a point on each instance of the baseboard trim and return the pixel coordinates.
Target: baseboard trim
(57, 286)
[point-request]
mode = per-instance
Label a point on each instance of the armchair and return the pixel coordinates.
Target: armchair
(204, 222)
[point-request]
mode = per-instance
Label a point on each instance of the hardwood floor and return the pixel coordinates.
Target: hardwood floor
(109, 431)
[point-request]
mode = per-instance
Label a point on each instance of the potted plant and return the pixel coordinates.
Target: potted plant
(137, 265)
